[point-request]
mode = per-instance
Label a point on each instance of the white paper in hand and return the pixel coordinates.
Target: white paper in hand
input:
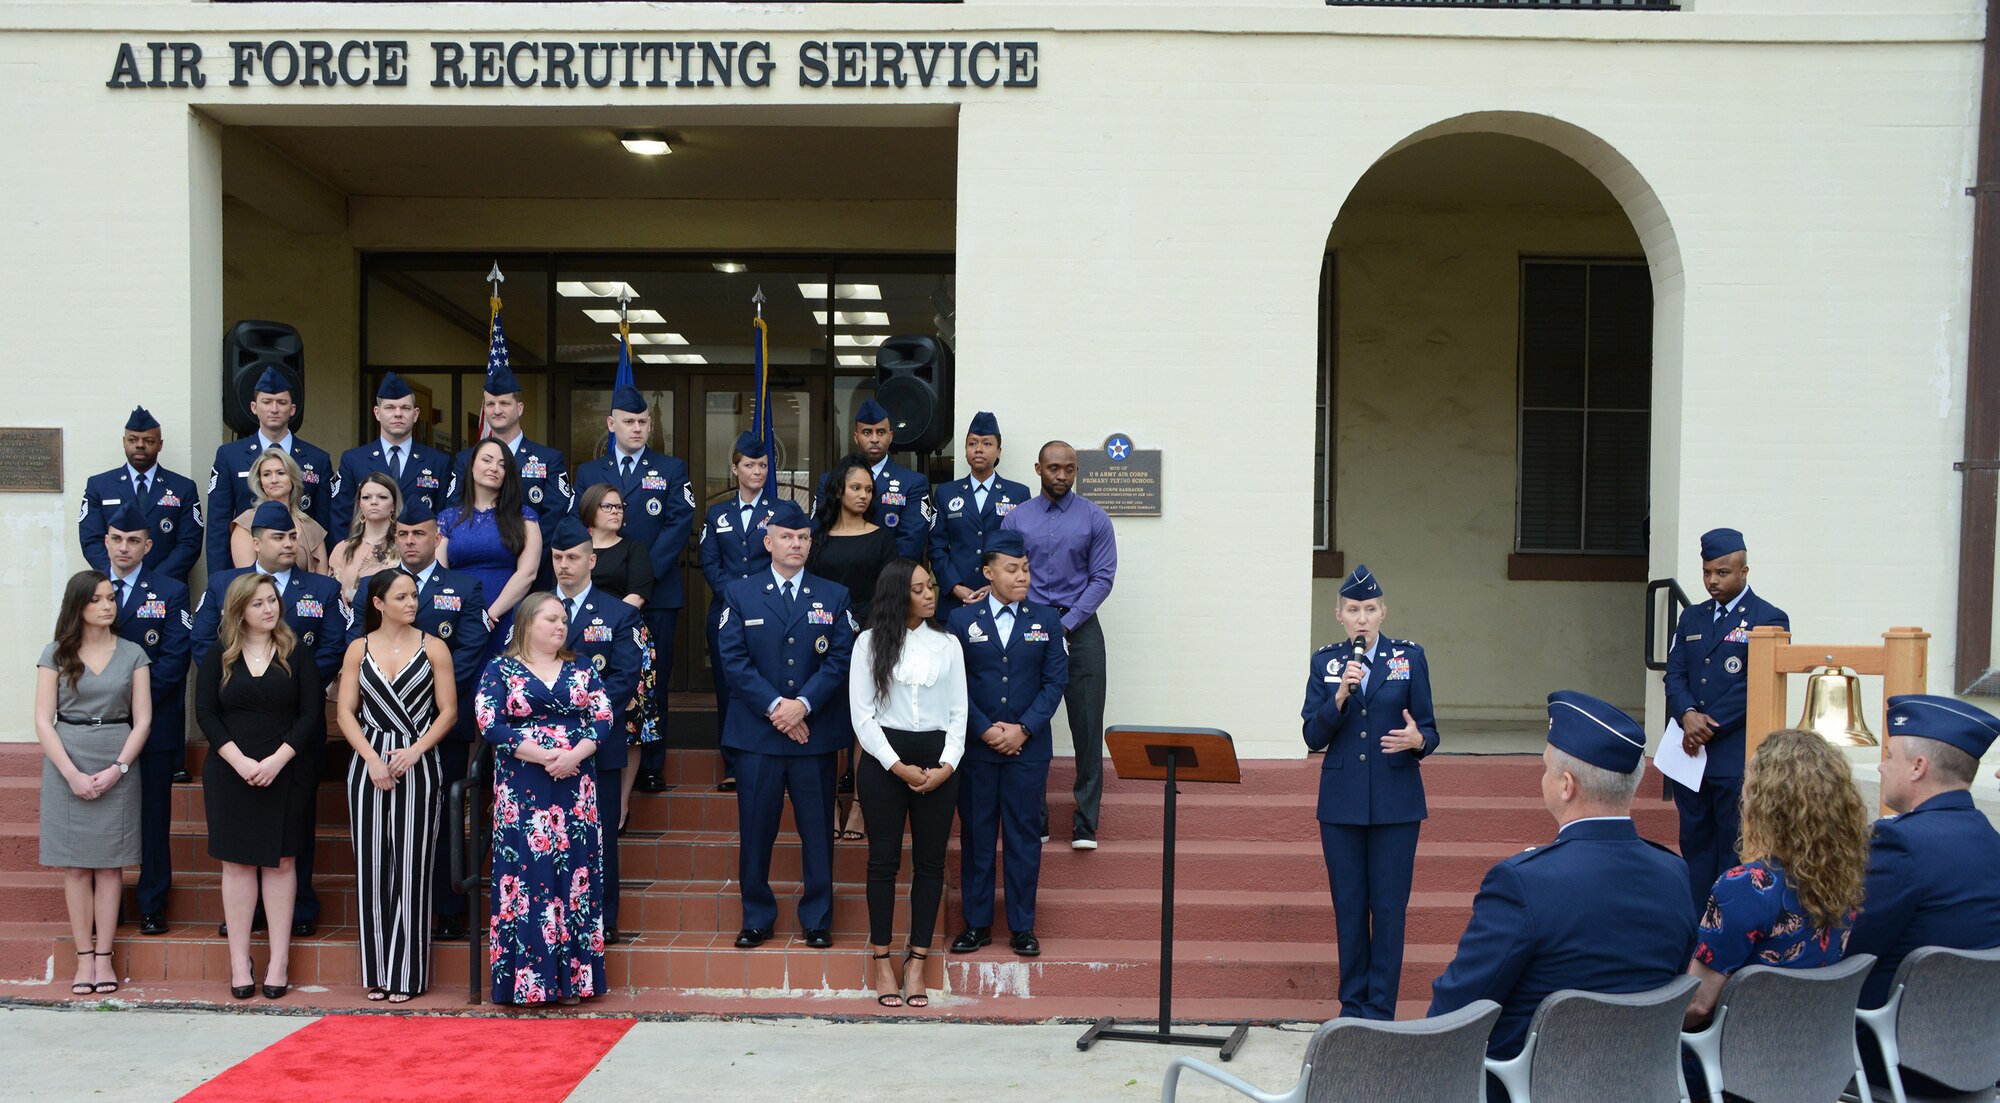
(1674, 761)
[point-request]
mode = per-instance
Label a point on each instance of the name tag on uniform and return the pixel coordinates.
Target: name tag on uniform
(534, 469)
(818, 616)
(753, 623)
(1399, 670)
(597, 633)
(651, 481)
(1693, 636)
(450, 603)
(152, 609)
(310, 608)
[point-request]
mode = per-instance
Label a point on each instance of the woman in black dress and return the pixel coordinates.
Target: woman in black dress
(624, 567)
(851, 549)
(257, 700)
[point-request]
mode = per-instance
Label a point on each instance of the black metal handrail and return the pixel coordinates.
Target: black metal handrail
(468, 856)
(1677, 600)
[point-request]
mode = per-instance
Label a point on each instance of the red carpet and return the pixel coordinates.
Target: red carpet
(370, 1058)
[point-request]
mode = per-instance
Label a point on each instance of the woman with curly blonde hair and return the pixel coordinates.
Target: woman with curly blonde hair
(1792, 902)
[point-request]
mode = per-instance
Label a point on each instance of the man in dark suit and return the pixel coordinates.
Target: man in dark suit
(229, 488)
(1707, 696)
(418, 469)
(732, 548)
(1016, 665)
(153, 613)
(451, 605)
(902, 496)
(968, 512)
(606, 633)
(1598, 909)
(659, 514)
(786, 637)
(322, 623)
(167, 500)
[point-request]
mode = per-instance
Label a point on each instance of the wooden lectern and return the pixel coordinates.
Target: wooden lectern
(1172, 755)
(1900, 659)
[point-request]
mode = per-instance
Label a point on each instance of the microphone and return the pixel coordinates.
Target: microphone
(1360, 656)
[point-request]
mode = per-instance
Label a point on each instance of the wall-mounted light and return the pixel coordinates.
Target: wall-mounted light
(646, 143)
(730, 266)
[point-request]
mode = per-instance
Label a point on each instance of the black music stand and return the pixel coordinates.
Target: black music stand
(1171, 755)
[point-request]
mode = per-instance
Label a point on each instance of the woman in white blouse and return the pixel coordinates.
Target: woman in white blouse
(906, 694)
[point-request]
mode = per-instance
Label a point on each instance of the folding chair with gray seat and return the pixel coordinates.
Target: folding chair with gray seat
(1437, 1060)
(1591, 1047)
(1784, 1034)
(1942, 1020)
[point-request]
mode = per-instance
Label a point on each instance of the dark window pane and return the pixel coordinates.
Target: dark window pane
(1615, 484)
(1551, 480)
(1552, 335)
(1621, 336)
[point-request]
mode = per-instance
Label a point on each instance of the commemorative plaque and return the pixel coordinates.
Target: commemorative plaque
(1122, 479)
(31, 459)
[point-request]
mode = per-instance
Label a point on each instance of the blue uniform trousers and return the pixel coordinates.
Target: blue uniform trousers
(1369, 869)
(156, 822)
(1710, 824)
(454, 761)
(1003, 800)
(610, 809)
(661, 624)
(762, 782)
(720, 677)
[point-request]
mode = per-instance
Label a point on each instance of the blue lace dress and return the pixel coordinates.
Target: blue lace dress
(476, 549)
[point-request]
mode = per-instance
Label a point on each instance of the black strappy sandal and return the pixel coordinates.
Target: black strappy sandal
(921, 997)
(83, 987)
(104, 987)
(884, 998)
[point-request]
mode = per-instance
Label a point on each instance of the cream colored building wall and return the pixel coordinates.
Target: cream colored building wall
(1138, 245)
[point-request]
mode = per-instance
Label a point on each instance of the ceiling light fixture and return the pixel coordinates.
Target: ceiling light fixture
(842, 291)
(855, 317)
(658, 339)
(601, 289)
(636, 317)
(645, 143)
(730, 266)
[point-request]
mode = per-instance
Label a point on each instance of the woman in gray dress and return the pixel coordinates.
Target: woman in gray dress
(93, 708)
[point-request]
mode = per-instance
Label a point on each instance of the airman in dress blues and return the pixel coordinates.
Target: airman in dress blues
(1016, 665)
(153, 613)
(322, 623)
(732, 548)
(902, 497)
(543, 470)
(1368, 706)
(659, 514)
(606, 633)
(1597, 909)
(786, 637)
(968, 512)
(168, 501)
(420, 470)
(1706, 693)
(229, 489)
(451, 605)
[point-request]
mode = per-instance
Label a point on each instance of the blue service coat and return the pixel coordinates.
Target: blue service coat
(173, 514)
(156, 617)
(230, 492)
(1933, 880)
(659, 513)
(1599, 909)
(772, 648)
(959, 530)
(544, 482)
(729, 552)
(1706, 671)
(451, 605)
(426, 473)
(609, 635)
(1359, 784)
(902, 503)
(313, 609)
(1020, 683)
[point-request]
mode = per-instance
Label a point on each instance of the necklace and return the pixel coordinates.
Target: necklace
(397, 649)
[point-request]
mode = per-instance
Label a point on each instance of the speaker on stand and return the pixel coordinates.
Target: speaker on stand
(913, 383)
(247, 349)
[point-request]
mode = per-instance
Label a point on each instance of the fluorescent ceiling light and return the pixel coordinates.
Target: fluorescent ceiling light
(673, 358)
(842, 291)
(646, 143)
(594, 289)
(858, 340)
(658, 339)
(857, 361)
(636, 317)
(730, 266)
(855, 317)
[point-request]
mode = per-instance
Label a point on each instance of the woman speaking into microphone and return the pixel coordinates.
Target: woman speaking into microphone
(1368, 706)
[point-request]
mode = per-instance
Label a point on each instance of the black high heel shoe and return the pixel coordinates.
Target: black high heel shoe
(920, 997)
(243, 991)
(276, 991)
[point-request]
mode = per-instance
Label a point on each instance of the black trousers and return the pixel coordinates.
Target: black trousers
(1083, 704)
(886, 805)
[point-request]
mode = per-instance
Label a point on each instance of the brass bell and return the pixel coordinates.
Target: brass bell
(1833, 708)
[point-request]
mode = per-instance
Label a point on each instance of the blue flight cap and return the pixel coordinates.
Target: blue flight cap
(273, 514)
(273, 381)
(788, 515)
(141, 420)
(1716, 543)
(750, 445)
(1360, 585)
(1595, 731)
(628, 400)
(869, 412)
(130, 518)
(569, 532)
(1007, 542)
(415, 512)
(983, 425)
(500, 380)
(1968, 727)
(392, 387)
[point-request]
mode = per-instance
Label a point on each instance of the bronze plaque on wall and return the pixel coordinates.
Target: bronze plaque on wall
(31, 459)
(1124, 481)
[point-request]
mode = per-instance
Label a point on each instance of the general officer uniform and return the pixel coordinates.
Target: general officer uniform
(419, 470)
(1371, 801)
(659, 513)
(968, 512)
(902, 497)
(229, 489)
(169, 503)
(1706, 673)
(153, 613)
(451, 605)
(1597, 909)
(606, 633)
(322, 622)
(732, 549)
(1016, 666)
(786, 638)
(543, 471)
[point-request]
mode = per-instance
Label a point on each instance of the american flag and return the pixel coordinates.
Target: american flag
(496, 360)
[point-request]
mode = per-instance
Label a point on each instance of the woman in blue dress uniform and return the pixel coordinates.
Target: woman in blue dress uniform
(1368, 706)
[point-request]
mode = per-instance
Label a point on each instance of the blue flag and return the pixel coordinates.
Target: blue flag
(624, 380)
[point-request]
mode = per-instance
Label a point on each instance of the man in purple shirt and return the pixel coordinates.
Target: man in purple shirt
(1075, 559)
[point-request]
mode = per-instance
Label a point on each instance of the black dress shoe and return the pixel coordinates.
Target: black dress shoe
(1025, 943)
(972, 938)
(611, 936)
(449, 929)
(182, 777)
(242, 991)
(726, 785)
(750, 937)
(305, 929)
(152, 923)
(819, 938)
(651, 781)
(276, 991)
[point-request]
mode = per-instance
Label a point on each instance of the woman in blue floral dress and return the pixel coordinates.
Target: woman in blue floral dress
(545, 713)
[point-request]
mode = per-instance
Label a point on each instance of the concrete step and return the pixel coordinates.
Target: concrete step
(1304, 917)
(1130, 968)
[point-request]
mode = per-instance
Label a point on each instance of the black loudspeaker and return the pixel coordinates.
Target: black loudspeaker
(247, 349)
(913, 383)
